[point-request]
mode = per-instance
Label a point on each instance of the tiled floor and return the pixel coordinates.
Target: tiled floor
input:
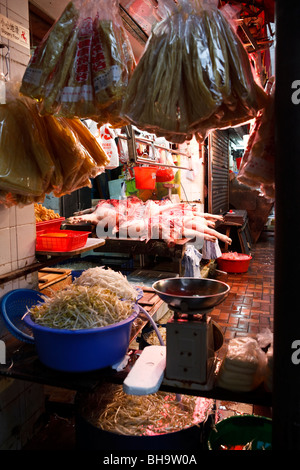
(247, 311)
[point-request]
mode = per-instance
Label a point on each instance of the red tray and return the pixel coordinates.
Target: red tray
(50, 225)
(62, 240)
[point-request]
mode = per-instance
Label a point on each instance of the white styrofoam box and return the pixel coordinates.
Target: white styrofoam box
(5, 253)
(26, 239)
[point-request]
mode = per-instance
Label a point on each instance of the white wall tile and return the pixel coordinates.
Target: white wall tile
(5, 268)
(18, 11)
(12, 216)
(5, 253)
(4, 217)
(4, 288)
(25, 215)
(26, 235)
(13, 244)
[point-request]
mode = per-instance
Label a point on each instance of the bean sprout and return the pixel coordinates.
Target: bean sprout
(78, 307)
(108, 279)
(110, 409)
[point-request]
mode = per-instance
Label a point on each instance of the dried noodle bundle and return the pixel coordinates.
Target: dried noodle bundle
(86, 77)
(49, 154)
(194, 76)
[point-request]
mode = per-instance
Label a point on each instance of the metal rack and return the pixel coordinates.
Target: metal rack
(131, 139)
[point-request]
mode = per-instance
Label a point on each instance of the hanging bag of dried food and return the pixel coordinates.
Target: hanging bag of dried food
(46, 56)
(113, 63)
(194, 75)
(86, 75)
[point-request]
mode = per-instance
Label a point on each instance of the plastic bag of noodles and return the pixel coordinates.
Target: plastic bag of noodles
(43, 154)
(47, 55)
(91, 67)
(194, 75)
(26, 163)
(77, 154)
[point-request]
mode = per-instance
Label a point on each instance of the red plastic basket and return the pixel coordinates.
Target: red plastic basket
(62, 240)
(50, 225)
(233, 262)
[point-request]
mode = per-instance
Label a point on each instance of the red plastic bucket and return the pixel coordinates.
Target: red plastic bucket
(145, 177)
(234, 262)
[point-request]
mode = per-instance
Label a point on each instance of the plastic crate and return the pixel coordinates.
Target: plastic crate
(50, 225)
(63, 240)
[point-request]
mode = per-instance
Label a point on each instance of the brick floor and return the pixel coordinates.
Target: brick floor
(248, 309)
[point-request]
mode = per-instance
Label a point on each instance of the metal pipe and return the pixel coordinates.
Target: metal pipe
(286, 370)
(151, 162)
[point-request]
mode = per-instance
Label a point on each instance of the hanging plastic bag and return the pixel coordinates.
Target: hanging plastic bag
(82, 66)
(50, 154)
(211, 249)
(194, 76)
(243, 367)
(191, 261)
(164, 174)
(48, 53)
(108, 143)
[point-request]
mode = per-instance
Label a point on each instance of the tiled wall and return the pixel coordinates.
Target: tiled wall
(17, 225)
(21, 403)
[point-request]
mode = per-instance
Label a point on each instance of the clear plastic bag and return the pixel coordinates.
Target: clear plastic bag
(47, 55)
(26, 163)
(243, 368)
(87, 74)
(43, 154)
(194, 76)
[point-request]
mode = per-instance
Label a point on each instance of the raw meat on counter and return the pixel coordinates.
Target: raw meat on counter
(133, 218)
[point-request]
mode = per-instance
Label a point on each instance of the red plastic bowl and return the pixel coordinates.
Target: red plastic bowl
(234, 262)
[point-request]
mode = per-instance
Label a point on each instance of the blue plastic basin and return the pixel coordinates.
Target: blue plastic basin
(82, 350)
